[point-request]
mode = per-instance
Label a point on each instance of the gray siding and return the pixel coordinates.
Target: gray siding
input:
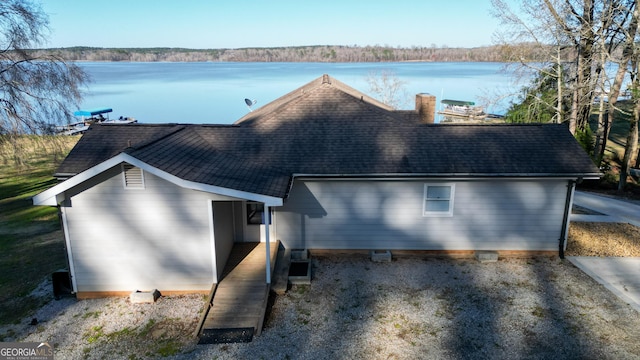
(139, 239)
(487, 215)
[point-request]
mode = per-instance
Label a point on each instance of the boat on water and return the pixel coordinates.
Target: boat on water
(460, 110)
(91, 116)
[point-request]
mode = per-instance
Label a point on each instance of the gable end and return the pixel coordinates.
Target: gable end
(132, 176)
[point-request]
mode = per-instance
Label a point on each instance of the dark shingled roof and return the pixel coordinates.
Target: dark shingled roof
(105, 141)
(327, 128)
(189, 156)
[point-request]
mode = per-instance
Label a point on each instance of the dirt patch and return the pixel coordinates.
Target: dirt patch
(603, 239)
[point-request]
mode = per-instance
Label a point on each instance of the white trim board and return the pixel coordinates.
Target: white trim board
(51, 196)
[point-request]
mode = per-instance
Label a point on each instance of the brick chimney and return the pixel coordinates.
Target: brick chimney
(426, 107)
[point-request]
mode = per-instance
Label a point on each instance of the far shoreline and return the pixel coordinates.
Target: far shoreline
(295, 54)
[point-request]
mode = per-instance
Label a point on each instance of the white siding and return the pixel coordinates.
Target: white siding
(142, 239)
(487, 215)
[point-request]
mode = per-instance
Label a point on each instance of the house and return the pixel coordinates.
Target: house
(324, 167)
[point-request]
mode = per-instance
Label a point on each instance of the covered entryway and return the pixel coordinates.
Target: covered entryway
(233, 223)
(237, 302)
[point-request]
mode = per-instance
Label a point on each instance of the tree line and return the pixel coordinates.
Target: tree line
(320, 53)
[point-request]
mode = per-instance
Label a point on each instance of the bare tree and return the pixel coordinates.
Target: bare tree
(388, 88)
(36, 91)
(621, 34)
(631, 146)
(530, 32)
(574, 33)
(598, 32)
(576, 20)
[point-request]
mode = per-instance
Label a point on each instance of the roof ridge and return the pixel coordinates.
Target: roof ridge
(267, 112)
(282, 100)
(154, 140)
(356, 93)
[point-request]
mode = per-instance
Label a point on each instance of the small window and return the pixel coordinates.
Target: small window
(132, 176)
(255, 213)
(438, 199)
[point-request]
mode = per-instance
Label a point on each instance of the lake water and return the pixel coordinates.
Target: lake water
(214, 92)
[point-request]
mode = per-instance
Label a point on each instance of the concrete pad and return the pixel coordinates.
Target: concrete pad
(299, 254)
(596, 218)
(624, 210)
(620, 275)
(380, 255)
(486, 256)
(144, 297)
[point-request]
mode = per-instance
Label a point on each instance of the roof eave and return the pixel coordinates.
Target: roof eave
(459, 176)
(51, 196)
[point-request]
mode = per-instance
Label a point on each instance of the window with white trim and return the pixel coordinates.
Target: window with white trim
(132, 177)
(438, 199)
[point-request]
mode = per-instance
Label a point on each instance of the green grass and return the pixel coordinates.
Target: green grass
(31, 242)
(94, 334)
(170, 348)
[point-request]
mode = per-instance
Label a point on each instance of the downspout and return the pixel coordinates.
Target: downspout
(565, 218)
(67, 240)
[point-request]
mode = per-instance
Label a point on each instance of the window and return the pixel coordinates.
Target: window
(255, 213)
(132, 176)
(438, 199)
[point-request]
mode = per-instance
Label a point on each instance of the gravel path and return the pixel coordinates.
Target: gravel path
(410, 308)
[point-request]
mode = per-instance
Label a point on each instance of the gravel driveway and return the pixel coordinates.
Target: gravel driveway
(410, 308)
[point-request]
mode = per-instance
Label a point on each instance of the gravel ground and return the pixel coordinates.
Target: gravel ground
(603, 239)
(413, 307)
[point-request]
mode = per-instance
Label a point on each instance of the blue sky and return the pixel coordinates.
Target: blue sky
(238, 23)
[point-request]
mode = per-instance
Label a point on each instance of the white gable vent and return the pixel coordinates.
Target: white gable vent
(133, 177)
